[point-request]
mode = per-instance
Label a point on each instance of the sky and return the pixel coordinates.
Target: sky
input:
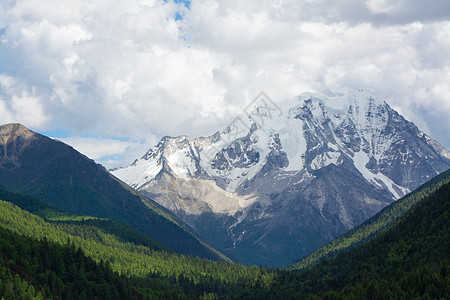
(112, 77)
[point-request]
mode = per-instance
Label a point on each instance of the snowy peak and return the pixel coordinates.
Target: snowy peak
(343, 125)
(308, 132)
(383, 146)
(289, 177)
(176, 156)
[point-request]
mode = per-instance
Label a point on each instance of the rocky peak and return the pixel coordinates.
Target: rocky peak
(290, 181)
(14, 139)
(13, 131)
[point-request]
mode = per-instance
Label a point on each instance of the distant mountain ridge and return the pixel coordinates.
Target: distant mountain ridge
(35, 165)
(272, 188)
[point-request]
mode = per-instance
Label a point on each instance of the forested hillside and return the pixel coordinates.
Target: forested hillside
(151, 271)
(374, 225)
(122, 231)
(32, 164)
(62, 255)
(31, 269)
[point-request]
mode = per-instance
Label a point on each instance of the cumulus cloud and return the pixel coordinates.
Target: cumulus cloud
(18, 102)
(146, 68)
(109, 151)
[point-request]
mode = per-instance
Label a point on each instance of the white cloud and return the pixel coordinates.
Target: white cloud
(129, 69)
(108, 151)
(20, 104)
(96, 148)
(383, 6)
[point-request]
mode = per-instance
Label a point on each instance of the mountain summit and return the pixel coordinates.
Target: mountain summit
(284, 180)
(14, 139)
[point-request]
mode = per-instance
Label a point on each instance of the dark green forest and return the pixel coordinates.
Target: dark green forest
(150, 269)
(47, 253)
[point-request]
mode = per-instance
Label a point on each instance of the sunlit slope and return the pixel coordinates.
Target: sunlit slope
(54, 172)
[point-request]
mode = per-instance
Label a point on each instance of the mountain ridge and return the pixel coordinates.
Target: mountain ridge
(38, 166)
(278, 160)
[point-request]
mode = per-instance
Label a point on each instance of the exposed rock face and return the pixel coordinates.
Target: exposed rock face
(274, 188)
(14, 139)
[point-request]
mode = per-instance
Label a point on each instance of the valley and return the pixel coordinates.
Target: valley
(60, 255)
(356, 216)
(224, 150)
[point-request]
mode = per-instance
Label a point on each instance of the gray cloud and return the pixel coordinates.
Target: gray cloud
(130, 69)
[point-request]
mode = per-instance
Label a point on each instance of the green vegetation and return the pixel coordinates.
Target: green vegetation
(124, 232)
(126, 258)
(408, 260)
(65, 256)
(374, 225)
(69, 181)
(42, 269)
(167, 273)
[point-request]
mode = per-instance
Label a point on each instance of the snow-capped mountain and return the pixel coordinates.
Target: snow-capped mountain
(283, 180)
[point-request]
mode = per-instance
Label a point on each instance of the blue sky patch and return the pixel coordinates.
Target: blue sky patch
(179, 15)
(58, 133)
